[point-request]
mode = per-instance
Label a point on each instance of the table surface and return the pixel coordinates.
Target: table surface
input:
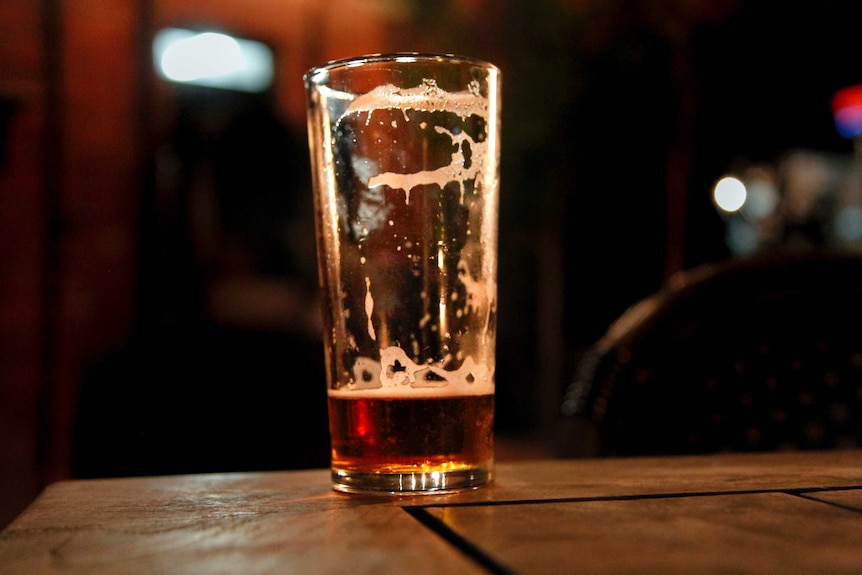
(789, 512)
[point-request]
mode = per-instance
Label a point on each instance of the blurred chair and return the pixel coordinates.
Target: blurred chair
(748, 355)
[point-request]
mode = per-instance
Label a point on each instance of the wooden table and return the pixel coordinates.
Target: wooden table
(768, 513)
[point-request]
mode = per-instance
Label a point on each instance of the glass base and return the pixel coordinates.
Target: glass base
(411, 482)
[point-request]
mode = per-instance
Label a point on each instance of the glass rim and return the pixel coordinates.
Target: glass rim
(403, 57)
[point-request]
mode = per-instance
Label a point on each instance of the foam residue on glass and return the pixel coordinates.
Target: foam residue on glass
(402, 154)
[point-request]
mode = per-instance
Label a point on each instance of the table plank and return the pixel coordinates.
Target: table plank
(224, 523)
(849, 498)
(757, 534)
(727, 472)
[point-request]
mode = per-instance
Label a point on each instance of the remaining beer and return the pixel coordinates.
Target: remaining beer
(373, 435)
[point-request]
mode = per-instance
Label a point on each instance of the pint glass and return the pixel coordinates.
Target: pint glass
(405, 163)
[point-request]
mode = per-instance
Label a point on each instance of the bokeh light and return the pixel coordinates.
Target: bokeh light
(729, 194)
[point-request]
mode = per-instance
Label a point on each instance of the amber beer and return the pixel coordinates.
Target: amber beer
(429, 434)
(404, 152)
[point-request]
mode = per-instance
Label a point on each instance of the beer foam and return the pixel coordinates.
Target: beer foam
(479, 294)
(369, 308)
(397, 376)
(428, 97)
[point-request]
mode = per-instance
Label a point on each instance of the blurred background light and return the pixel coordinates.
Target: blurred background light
(213, 59)
(847, 111)
(761, 196)
(729, 194)
(848, 223)
(741, 237)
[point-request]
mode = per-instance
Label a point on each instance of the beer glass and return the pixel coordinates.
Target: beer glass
(405, 154)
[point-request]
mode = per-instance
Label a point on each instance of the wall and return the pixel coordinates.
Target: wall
(86, 106)
(22, 251)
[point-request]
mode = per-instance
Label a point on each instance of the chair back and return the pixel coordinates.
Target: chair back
(748, 355)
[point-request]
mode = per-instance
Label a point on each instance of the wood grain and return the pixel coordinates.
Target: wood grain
(555, 479)
(231, 524)
(758, 513)
(758, 534)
